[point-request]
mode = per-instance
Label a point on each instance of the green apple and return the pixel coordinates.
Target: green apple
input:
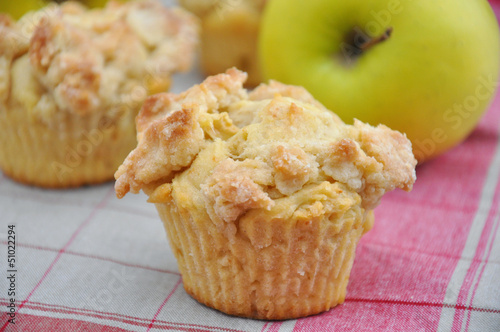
(18, 8)
(97, 3)
(426, 68)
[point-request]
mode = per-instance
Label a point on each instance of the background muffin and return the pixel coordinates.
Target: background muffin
(229, 35)
(72, 81)
(264, 195)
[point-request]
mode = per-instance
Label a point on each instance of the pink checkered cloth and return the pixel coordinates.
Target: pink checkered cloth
(88, 262)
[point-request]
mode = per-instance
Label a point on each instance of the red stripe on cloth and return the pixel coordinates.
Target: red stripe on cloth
(46, 307)
(69, 252)
(275, 327)
(136, 321)
(163, 304)
(481, 273)
(72, 238)
(122, 263)
(50, 324)
(425, 304)
(368, 315)
(32, 323)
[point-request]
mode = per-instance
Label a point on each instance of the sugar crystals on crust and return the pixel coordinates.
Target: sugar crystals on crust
(295, 141)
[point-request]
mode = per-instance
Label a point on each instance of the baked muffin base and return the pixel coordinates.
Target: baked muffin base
(302, 268)
(82, 150)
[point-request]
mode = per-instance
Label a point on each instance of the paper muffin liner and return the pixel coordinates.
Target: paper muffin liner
(271, 269)
(68, 152)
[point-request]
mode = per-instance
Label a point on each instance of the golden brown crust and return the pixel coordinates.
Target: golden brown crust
(214, 93)
(178, 135)
(233, 188)
(293, 168)
(282, 128)
(61, 57)
(389, 148)
(12, 41)
(275, 88)
(166, 146)
(93, 61)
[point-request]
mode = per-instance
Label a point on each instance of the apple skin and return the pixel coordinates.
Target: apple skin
(16, 9)
(432, 78)
(97, 3)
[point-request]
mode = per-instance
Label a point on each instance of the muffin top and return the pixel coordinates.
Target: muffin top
(70, 59)
(243, 150)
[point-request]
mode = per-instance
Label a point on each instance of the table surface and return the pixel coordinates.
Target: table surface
(87, 261)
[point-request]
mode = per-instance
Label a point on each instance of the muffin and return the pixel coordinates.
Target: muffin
(72, 81)
(230, 29)
(263, 194)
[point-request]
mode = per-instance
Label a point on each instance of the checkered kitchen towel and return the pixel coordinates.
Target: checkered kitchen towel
(86, 261)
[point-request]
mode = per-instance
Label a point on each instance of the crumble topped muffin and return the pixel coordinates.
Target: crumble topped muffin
(72, 81)
(263, 194)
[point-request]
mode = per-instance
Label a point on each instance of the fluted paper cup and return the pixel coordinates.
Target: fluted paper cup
(68, 152)
(273, 268)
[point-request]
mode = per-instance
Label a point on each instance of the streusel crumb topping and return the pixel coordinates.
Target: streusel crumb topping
(244, 150)
(71, 59)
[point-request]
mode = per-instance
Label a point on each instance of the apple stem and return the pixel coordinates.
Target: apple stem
(374, 41)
